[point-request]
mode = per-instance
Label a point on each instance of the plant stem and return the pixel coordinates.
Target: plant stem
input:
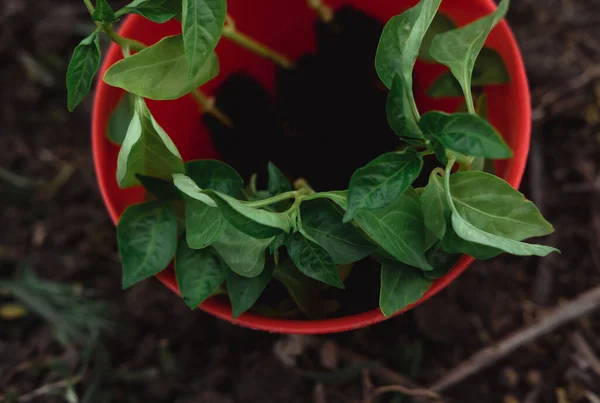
(272, 200)
(230, 32)
(464, 160)
(122, 41)
(325, 12)
(89, 5)
(208, 106)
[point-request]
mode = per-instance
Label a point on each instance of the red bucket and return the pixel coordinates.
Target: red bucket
(288, 26)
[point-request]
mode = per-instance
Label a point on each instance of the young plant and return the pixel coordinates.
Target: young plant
(229, 238)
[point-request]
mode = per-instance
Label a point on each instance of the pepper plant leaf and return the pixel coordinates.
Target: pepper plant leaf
(398, 109)
(244, 254)
(343, 241)
(159, 11)
(458, 49)
(159, 188)
(202, 23)
(489, 69)
(160, 72)
(252, 221)
(401, 40)
(204, 224)
(401, 286)
(146, 150)
(245, 291)
(120, 119)
(278, 183)
(302, 289)
(488, 211)
(435, 208)
(199, 273)
(313, 260)
(147, 238)
(215, 175)
(82, 69)
(382, 181)
(103, 12)
(439, 25)
(399, 230)
(465, 133)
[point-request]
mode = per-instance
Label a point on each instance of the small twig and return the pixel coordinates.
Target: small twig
(208, 106)
(404, 390)
(582, 305)
(585, 351)
(592, 397)
(325, 12)
(384, 373)
(230, 32)
(44, 390)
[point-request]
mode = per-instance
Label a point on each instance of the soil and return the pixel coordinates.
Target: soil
(163, 352)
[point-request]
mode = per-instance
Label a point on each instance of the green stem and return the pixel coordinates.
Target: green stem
(230, 32)
(272, 200)
(464, 160)
(123, 42)
(89, 5)
(470, 103)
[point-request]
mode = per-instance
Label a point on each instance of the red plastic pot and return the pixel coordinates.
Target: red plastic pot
(287, 26)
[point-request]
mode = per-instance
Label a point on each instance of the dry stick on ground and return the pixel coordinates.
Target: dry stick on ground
(46, 389)
(585, 351)
(403, 384)
(582, 305)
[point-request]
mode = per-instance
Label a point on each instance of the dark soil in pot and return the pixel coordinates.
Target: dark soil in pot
(326, 119)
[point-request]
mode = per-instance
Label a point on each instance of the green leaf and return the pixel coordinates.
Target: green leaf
(445, 86)
(278, 242)
(191, 189)
(382, 181)
(202, 24)
(159, 11)
(103, 12)
(278, 182)
(146, 150)
(488, 211)
(159, 188)
(458, 49)
(399, 229)
(401, 286)
(314, 261)
(465, 133)
(147, 238)
(435, 208)
(215, 175)
(399, 114)
(160, 71)
(245, 291)
(204, 224)
(441, 261)
(323, 223)
(489, 69)
(439, 25)
(244, 254)
(199, 273)
(401, 40)
(452, 243)
(81, 71)
(252, 221)
(120, 119)
(303, 290)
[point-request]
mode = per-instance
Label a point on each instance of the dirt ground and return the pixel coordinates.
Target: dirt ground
(52, 218)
